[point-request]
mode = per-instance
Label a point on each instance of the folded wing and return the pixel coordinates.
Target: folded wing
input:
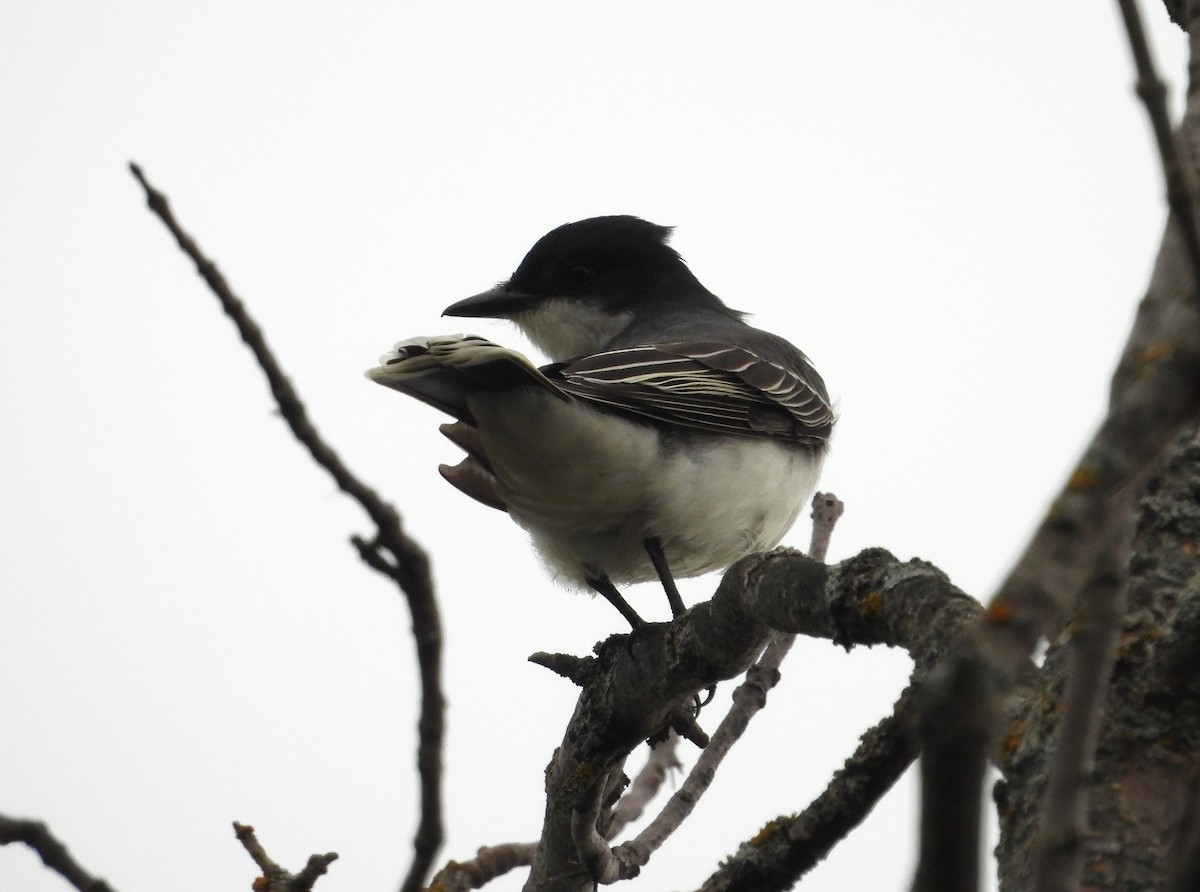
(722, 388)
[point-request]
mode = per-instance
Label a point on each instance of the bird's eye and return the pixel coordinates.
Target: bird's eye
(577, 276)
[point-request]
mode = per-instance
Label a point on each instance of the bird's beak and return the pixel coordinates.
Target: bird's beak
(500, 301)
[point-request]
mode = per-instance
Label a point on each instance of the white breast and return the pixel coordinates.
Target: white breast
(591, 487)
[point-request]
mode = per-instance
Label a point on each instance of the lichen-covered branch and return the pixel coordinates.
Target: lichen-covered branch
(1155, 393)
(629, 697)
(749, 698)
(1149, 741)
(489, 863)
(788, 847)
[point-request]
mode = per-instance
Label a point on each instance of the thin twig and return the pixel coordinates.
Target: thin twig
(249, 840)
(659, 765)
(1093, 647)
(955, 728)
(53, 853)
(408, 564)
(1177, 167)
(912, 606)
(489, 863)
(827, 508)
(786, 848)
(274, 877)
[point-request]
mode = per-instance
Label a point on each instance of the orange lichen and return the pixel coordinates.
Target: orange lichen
(1155, 353)
(1000, 612)
(1015, 735)
(1084, 477)
(771, 828)
(873, 604)
(584, 774)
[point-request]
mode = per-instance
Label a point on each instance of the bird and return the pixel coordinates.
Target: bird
(666, 438)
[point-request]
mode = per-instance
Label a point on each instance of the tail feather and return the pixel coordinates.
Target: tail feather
(473, 479)
(443, 371)
(467, 438)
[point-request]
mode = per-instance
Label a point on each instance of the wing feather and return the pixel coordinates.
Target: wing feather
(704, 385)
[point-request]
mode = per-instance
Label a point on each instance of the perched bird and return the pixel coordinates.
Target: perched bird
(667, 437)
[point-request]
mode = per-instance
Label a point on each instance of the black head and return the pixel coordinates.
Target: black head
(619, 263)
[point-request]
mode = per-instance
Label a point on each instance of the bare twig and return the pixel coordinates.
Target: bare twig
(1154, 393)
(826, 509)
(53, 853)
(391, 551)
(599, 862)
(748, 700)
(1177, 167)
(246, 836)
(489, 863)
(955, 728)
(786, 848)
(1093, 645)
(661, 762)
(275, 878)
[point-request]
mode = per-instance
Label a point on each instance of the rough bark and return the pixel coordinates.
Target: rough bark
(630, 694)
(1150, 739)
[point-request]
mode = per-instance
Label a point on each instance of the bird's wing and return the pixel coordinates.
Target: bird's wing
(711, 386)
(443, 371)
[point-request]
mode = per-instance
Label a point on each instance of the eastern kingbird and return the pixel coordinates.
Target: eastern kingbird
(667, 435)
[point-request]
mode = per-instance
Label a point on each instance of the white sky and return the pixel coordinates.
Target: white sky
(952, 208)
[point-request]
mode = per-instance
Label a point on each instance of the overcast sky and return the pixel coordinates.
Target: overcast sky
(952, 208)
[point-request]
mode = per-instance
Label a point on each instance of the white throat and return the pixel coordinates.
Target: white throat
(564, 329)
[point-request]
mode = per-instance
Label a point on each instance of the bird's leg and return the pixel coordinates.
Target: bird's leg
(602, 585)
(655, 550)
(662, 568)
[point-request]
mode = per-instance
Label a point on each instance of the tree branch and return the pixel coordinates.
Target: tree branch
(661, 762)
(53, 853)
(869, 599)
(1091, 652)
(489, 863)
(1178, 170)
(1149, 739)
(788, 847)
(391, 551)
(1155, 392)
(275, 878)
(748, 700)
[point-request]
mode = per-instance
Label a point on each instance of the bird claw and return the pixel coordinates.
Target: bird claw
(635, 637)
